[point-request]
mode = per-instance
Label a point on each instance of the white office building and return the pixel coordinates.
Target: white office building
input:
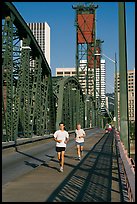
(41, 31)
(103, 83)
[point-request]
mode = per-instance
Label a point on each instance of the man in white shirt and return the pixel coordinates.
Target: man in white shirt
(79, 138)
(61, 137)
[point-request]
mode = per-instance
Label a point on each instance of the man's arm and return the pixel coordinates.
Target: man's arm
(66, 140)
(57, 140)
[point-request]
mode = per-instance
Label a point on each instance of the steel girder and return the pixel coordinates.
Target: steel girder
(7, 52)
(70, 102)
(28, 100)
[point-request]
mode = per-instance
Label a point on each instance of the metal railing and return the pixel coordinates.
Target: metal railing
(126, 170)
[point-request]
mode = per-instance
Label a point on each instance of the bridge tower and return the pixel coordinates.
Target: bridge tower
(85, 51)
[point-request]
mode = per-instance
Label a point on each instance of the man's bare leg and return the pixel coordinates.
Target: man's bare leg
(59, 157)
(78, 150)
(62, 158)
(81, 150)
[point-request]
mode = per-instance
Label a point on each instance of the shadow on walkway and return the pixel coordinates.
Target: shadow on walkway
(91, 179)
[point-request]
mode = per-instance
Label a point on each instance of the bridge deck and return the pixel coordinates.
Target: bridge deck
(93, 179)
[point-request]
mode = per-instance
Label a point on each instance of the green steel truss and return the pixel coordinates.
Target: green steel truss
(70, 102)
(33, 103)
(28, 102)
(7, 71)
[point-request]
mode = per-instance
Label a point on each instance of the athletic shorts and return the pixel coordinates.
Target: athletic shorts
(80, 143)
(60, 149)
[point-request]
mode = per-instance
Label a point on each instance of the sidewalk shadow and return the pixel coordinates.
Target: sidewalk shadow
(91, 179)
(32, 157)
(33, 165)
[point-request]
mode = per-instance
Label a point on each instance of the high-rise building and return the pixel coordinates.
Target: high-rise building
(41, 31)
(131, 95)
(101, 71)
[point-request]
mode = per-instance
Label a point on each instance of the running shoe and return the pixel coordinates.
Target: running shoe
(61, 169)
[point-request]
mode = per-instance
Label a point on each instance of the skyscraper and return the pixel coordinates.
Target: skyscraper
(41, 31)
(131, 95)
(103, 83)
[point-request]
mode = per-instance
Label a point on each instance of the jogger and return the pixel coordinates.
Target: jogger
(79, 138)
(61, 137)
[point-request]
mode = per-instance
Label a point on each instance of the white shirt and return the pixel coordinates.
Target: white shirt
(80, 132)
(61, 135)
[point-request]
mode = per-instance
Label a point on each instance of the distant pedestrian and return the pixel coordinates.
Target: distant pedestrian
(109, 128)
(79, 138)
(61, 137)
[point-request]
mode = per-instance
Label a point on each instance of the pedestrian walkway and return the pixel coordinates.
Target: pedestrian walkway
(93, 179)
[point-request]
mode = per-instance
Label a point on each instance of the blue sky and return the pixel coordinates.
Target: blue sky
(61, 17)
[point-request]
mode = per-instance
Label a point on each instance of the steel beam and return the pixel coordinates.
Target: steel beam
(70, 102)
(22, 91)
(7, 69)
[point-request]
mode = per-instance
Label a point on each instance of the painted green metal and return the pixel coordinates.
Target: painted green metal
(34, 95)
(30, 105)
(50, 102)
(22, 92)
(38, 119)
(93, 112)
(28, 100)
(25, 65)
(124, 121)
(7, 68)
(70, 107)
(23, 29)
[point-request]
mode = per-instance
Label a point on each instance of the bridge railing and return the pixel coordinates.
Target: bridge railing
(127, 167)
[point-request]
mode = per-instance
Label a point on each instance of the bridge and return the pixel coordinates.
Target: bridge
(33, 104)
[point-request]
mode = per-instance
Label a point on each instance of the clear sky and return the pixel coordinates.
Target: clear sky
(61, 17)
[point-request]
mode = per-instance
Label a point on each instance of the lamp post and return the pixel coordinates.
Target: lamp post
(116, 94)
(86, 110)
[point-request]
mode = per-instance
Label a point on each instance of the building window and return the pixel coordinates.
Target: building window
(67, 72)
(59, 73)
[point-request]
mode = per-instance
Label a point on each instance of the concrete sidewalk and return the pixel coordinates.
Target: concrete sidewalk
(91, 179)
